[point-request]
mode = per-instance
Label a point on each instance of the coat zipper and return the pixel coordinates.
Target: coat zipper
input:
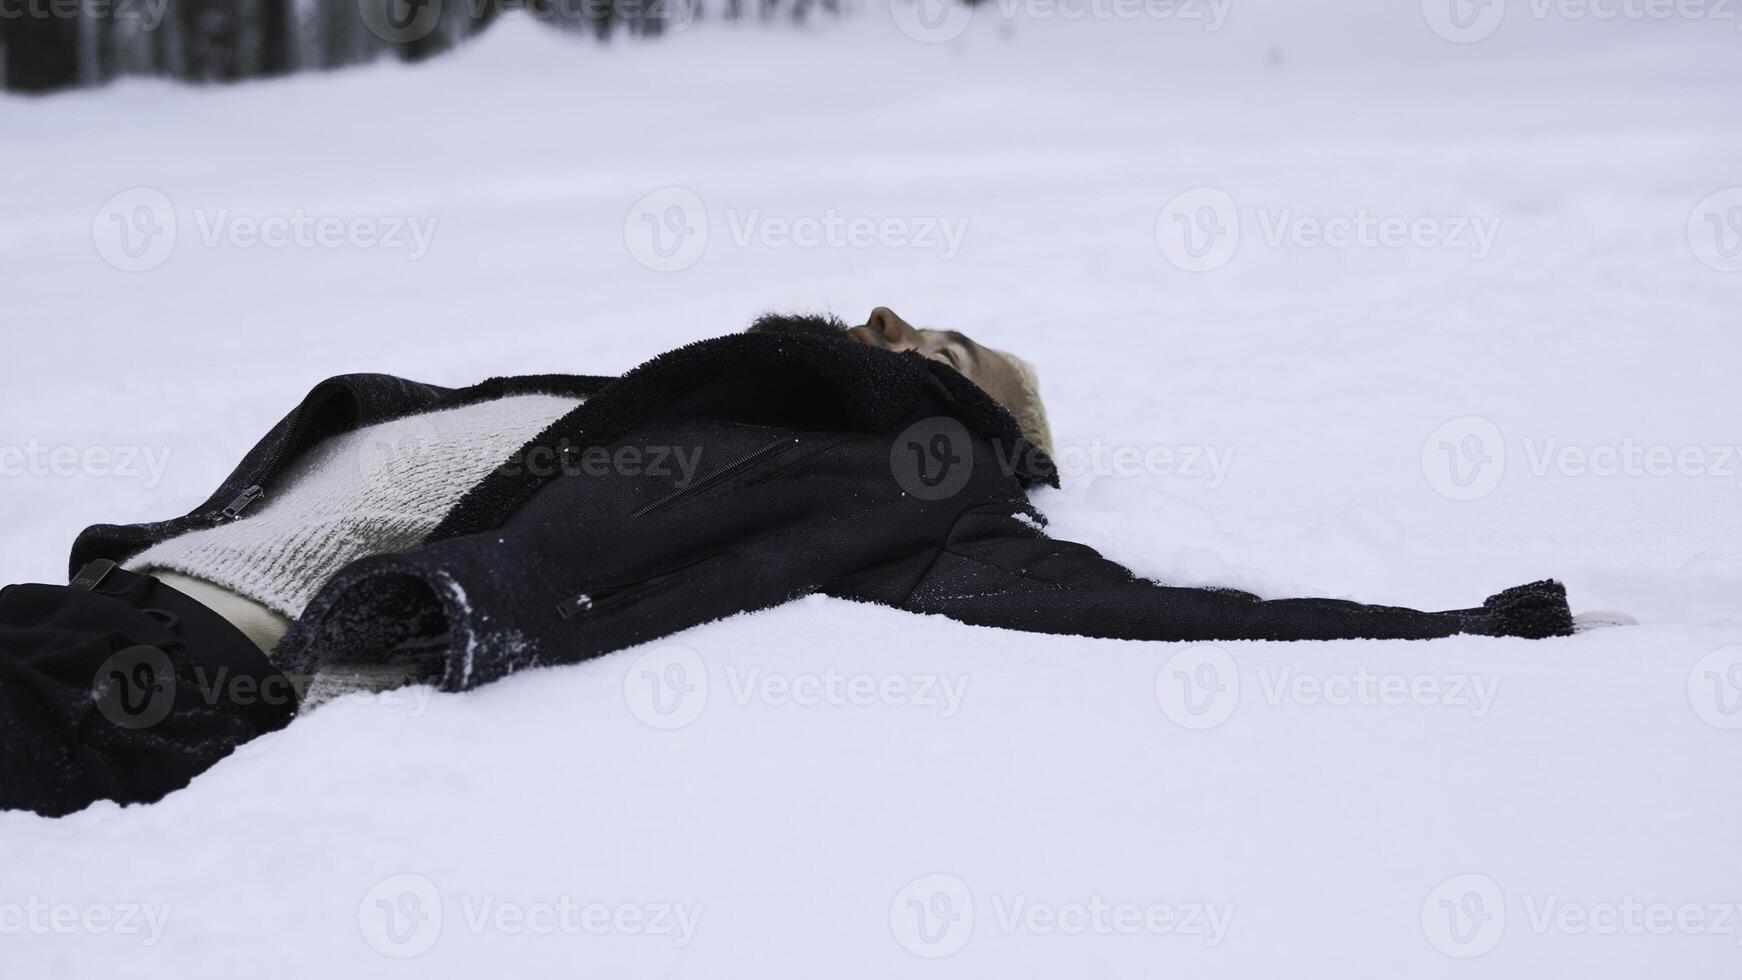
(714, 478)
(278, 451)
(243, 501)
(251, 494)
(603, 597)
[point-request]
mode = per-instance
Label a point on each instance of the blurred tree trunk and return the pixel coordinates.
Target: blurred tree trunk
(42, 52)
(460, 20)
(231, 40)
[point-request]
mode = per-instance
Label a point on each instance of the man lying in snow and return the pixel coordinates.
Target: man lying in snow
(543, 520)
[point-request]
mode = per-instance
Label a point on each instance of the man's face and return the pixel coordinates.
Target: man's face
(984, 366)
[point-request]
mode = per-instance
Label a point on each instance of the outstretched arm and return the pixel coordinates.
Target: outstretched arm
(999, 571)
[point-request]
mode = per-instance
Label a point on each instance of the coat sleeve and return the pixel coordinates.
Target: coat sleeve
(998, 570)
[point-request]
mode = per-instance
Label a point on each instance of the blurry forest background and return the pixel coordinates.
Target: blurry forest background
(47, 45)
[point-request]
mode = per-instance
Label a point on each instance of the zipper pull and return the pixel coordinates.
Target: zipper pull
(242, 502)
(92, 575)
(574, 607)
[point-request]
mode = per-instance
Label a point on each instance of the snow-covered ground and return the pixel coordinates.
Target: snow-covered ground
(848, 791)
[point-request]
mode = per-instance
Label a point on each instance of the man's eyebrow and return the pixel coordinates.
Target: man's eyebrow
(972, 348)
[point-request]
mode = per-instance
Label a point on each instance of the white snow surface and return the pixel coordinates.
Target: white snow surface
(1049, 802)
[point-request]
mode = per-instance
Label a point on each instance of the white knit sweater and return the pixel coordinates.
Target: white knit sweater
(375, 490)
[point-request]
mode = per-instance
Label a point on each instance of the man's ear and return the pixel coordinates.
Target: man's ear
(891, 327)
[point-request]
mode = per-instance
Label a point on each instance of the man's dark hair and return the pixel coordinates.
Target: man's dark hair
(814, 324)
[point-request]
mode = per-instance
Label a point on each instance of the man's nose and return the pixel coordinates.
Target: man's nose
(896, 333)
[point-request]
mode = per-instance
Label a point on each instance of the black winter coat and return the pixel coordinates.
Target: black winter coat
(825, 467)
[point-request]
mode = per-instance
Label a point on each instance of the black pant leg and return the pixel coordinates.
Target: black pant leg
(123, 692)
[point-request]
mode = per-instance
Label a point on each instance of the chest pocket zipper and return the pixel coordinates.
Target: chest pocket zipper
(714, 479)
(603, 598)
